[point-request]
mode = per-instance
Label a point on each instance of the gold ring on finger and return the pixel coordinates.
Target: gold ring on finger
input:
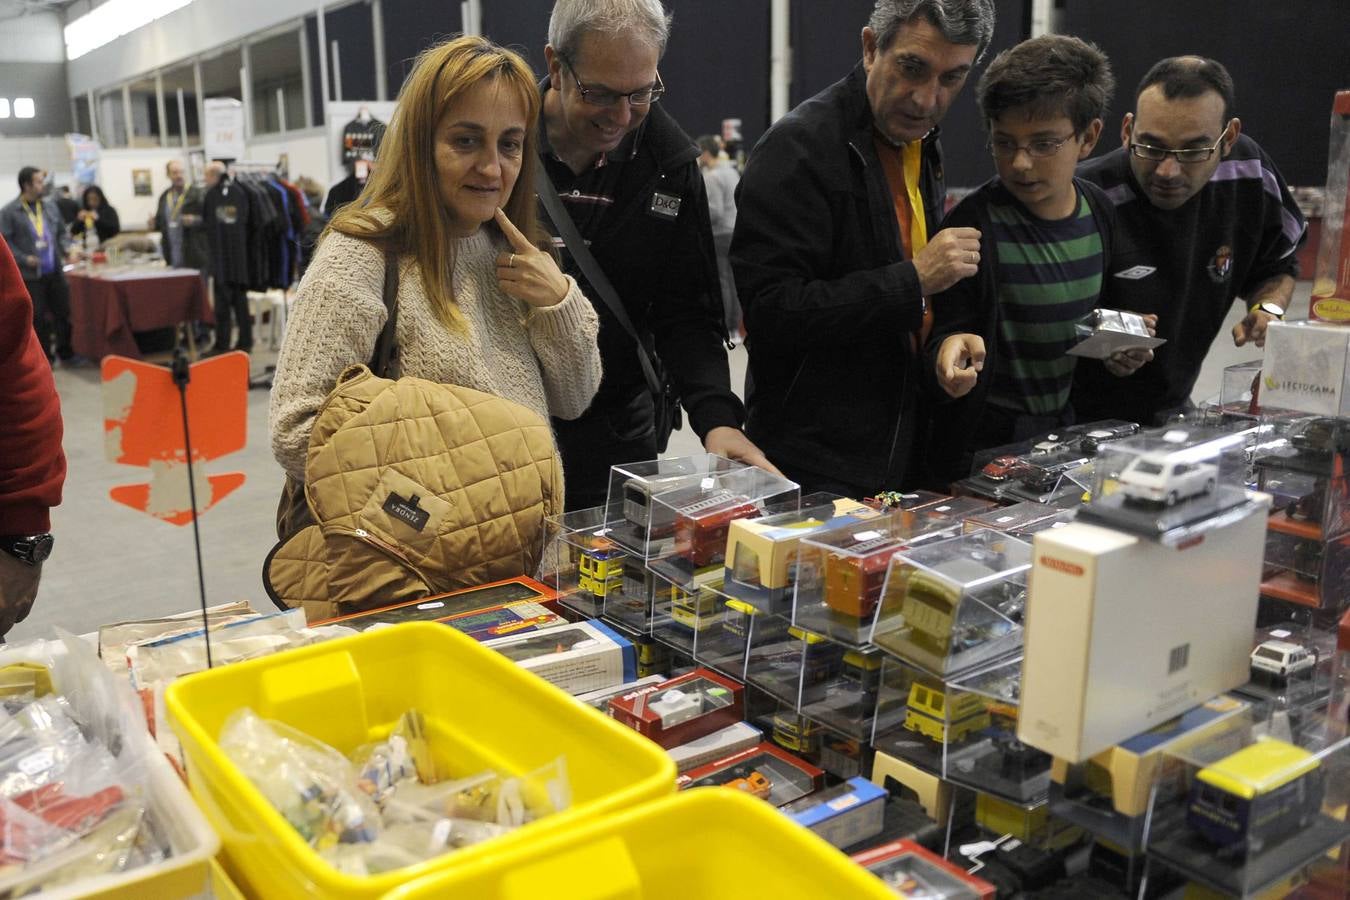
(512, 263)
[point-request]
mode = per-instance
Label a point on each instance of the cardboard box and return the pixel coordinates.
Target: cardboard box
(600, 699)
(1307, 368)
(723, 742)
(931, 792)
(501, 621)
(845, 814)
(580, 657)
(908, 866)
(681, 709)
(766, 771)
(440, 606)
(1123, 633)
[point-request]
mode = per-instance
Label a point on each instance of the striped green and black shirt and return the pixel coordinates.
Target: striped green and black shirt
(1049, 275)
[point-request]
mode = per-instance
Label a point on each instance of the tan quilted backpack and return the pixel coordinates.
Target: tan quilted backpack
(417, 488)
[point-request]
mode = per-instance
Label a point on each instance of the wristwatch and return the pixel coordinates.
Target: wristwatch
(1270, 308)
(29, 549)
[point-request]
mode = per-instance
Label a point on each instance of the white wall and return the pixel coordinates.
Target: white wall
(48, 153)
(196, 28)
(307, 152)
(35, 37)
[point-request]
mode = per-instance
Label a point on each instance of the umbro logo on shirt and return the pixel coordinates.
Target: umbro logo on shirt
(1134, 273)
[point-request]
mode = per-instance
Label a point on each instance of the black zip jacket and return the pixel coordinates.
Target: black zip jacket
(665, 272)
(971, 307)
(830, 301)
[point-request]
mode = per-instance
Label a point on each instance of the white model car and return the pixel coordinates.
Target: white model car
(1165, 479)
(1283, 659)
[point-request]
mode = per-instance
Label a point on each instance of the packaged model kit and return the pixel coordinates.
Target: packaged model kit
(578, 657)
(681, 709)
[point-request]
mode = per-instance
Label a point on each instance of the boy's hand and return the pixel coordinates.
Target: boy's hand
(953, 254)
(960, 360)
(1126, 362)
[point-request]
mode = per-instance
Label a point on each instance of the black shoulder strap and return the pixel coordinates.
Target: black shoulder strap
(385, 344)
(595, 276)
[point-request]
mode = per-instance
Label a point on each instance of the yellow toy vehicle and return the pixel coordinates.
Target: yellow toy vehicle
(932, 713)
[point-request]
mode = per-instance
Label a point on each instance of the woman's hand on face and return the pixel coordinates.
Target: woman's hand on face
(528, 273)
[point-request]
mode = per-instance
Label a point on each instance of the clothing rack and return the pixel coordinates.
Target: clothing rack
(255, 167)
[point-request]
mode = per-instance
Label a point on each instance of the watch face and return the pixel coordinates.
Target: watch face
(42, 547)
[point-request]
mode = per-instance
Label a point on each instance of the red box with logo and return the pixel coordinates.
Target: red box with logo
(682, 709)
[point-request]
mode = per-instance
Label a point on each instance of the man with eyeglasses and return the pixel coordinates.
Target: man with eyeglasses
(628, 180)
(836, 248)
(1204, 217)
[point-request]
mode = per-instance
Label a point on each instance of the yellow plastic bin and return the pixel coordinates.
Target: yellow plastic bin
(483, 712)
(706, 843)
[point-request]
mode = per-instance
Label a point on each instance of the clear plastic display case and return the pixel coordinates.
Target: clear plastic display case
(680, 614)
(1249, 813)
(761, 553)
(765, 771)
(954, 604)
(634, 521)
(681, 709)
(1109, 793)
(723, 643)
(631, 607)
(847, 702)
(790, 663)
(1331, 278)
(840, 572)
(1014, 519)
(912, 871)
(964, 729)
(1103, 332)
(702, 515)
(587, 565)
(1167, 480)
(1240, 391)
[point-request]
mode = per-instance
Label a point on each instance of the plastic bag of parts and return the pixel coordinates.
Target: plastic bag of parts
(387, 807)
(73, 789)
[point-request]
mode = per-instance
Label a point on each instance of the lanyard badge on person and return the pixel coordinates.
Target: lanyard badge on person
(918, 225)
(175, 207)
(39, 226)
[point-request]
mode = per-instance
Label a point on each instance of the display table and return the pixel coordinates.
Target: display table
(108, 307)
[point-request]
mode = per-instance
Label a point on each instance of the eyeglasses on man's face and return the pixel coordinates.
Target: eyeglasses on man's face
(602, 96)
(1185, 157)
(1041, 148)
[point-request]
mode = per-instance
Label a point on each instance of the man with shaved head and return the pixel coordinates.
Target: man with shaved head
(1203, 218)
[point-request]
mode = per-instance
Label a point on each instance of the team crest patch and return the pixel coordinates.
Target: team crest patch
(1221, 266)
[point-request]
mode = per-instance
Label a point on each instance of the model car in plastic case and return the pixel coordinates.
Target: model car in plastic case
(1108, 794)
(681, 709)
(1168, 479)
(847, 702)
(790, 663)
(520, 589)
(919, 874)
(577, 657)
(964, 729)
(1249, 817)
(950, 605)
(766, 771)
(635, 522)
(887, 501)
(703, 513)
(1292, 669)
(588, 566)
(1103, 332)
(840, 572)
(761, 553)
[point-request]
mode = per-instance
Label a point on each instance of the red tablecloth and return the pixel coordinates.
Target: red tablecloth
(105, 310)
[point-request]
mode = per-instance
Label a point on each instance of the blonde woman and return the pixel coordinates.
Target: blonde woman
(482, 302)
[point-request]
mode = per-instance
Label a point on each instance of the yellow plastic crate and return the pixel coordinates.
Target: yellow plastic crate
(710, 843)
(483, 712)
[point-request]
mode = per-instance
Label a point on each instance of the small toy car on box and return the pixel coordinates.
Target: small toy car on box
(765, 767)
(1283, 659)
(1098, 433)
(681, 709)
(1167, 479)
(1002, 468)
(1257, 796)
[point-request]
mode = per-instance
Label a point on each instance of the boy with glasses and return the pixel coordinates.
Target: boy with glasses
(627, 176)
(1000, 339)
(1204, 217)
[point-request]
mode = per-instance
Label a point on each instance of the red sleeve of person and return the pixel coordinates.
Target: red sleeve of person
(32, 464)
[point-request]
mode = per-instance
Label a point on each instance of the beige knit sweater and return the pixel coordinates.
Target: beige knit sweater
(544, 359)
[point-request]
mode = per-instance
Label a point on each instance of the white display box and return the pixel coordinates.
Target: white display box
(1307, 368)
(1123, 633)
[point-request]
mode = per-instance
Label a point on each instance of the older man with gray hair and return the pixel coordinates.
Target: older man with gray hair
(631, 197)
(836, 249)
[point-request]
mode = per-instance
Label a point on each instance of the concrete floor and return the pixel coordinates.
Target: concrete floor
(112, 563)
